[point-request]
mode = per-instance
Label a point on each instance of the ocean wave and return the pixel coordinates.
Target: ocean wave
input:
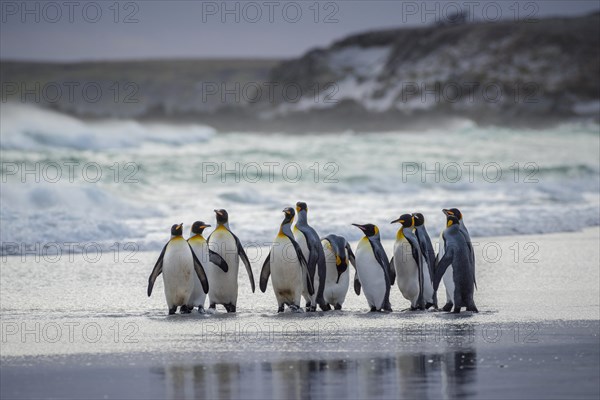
(25, 127)
(42, 213)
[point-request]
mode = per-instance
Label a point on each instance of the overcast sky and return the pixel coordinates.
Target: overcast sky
(97, 30)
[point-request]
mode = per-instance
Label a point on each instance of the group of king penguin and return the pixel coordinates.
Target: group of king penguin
(301, 264)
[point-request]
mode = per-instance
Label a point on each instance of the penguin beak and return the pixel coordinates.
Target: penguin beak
(362, 228)
(180, 226)
(446, 212)
(397, 220)
(219, 212)
(205, 226)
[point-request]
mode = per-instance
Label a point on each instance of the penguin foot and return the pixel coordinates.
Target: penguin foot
(447, 306)
(373, 309)
(295, 308)
(212, 309)
(325, 307)
(172, 310)
(184, 309)
(230, 308)
(473, 308)
(337, 307)
(428, 305)
(456, 310)
(280, 309)
(201, 310)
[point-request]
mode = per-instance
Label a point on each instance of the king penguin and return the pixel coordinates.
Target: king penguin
(287, 265)
(337, 253)
(207, 257)
(448, 281)
(408, 263)
(428, 255)
(224, 288)
(372, 269)
(178, 264)
(458, 254)
(309, 242)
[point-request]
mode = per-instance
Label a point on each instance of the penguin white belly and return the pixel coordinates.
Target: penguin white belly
(334, 292)
(200, 248)
(301, 240)
(370, 274)
(223, 286)
(178, 273)
(407, 271)
(448, 277)
(286, 272)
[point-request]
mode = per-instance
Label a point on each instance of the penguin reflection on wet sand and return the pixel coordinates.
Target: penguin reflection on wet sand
(178, 264)
(337, 254)
(372, 269)
(458, 253)
(287, 266)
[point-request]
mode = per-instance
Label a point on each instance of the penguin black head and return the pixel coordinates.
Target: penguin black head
(289, 215)
(198, 227)
(452, 220)
(301, 206)
(419, 219)
(177, 230)
(453, 211)
(368, 229)
(222, 216)
(406, 220)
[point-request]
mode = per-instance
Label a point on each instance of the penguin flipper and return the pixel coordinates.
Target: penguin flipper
(442, 266)
(382, 260)
(245, 260)
(309, 285)
(216, 259)
(392, 272)
(356, 284)
(303, 264)
(313, 253)
(200, 271)
(265, 273)
(351, 255)
(157, 270)
(322, 271)
(426, 249)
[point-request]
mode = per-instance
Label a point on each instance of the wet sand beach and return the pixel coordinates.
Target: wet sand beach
(87, 330)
